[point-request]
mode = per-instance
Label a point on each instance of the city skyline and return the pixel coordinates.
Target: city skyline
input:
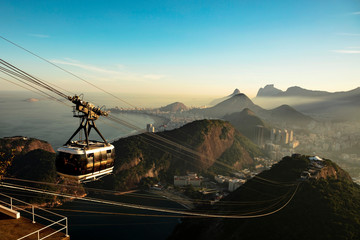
(184, 47)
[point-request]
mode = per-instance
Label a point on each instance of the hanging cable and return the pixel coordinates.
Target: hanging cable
(142, 207)
(63, 69)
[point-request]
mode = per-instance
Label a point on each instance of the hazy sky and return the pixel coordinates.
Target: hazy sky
(186, 47)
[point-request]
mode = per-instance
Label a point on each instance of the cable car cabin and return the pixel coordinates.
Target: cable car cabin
(82, 163)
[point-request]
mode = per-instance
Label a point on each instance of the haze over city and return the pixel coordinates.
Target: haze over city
(185, 48)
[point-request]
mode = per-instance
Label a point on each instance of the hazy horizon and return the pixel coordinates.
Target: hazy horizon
(152, 100)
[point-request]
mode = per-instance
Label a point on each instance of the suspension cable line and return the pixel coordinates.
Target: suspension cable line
(142, 207)
(63, 69)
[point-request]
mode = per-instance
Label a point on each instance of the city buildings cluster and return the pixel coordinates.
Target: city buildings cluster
(189, 179)
(233, 183)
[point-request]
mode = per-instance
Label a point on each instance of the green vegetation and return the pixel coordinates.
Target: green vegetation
(37, 165)
(6, 159)
(192, 192)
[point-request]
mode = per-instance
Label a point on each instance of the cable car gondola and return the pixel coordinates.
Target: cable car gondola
(85, 160)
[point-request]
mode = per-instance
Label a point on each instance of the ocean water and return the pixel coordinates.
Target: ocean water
(53, 122)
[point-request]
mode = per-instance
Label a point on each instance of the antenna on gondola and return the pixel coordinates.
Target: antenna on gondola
(88, 113)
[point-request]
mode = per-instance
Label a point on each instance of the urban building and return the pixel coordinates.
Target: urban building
(259, 135)
(150, 128)
(190, 179)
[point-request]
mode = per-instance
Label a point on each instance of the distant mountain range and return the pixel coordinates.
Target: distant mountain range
(271, 91)
(319, 104)
(327, 206)
(283, 115)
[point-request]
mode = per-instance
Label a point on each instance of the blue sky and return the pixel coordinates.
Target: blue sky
(186, 47)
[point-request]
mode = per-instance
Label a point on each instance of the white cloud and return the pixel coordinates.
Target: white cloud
(355, 13)
(38, 35)
(110, 75)
(88, 67)
(347, 51)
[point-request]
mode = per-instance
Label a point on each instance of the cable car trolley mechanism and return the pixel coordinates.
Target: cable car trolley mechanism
(85, 160)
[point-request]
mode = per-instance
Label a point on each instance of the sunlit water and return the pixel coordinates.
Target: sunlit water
(54, 122)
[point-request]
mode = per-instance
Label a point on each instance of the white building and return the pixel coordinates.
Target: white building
(220, 178)
(190, 179)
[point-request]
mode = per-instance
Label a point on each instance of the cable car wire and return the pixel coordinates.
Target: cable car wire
(129, 205)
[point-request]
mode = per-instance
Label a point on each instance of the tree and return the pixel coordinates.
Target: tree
(5, 161)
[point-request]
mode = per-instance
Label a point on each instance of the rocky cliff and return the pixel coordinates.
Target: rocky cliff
(23, 145)
(33, 159)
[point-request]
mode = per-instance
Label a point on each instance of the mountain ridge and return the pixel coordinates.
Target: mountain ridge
(324, 207)
(239, 102)
(338, 106)
(216, 101)
(211, 140)
(174, 107)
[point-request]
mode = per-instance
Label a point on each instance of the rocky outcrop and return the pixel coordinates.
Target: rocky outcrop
(331, 170)
(216, 142)
(134, 162)
(34, 160)
(268, 90)
(23, 145)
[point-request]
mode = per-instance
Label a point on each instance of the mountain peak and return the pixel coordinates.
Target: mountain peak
(174, 107)
(236, 91)
(216, 101)
(268, 90)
